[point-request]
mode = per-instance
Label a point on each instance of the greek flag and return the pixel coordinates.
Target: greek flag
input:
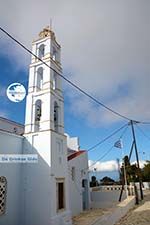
(118, 144)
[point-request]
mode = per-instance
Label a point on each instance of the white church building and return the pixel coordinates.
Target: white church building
(53, 189)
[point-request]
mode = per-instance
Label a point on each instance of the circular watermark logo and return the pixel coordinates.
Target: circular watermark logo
(16, 92)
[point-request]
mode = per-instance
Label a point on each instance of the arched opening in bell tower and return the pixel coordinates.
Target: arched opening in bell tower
(39, 78)
(54, 80)
(41, 51)
(56, 116)
(38, 114)
(54, 54)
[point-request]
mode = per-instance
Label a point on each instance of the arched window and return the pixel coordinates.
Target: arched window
(41, 51)
(3, 190)
(56, 116)
(54, 56)
(54, 80)
(39, 78)
(38, 114)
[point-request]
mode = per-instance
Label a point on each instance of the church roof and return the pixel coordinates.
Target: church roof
(11, 126)
(11, 121)
(75, 154)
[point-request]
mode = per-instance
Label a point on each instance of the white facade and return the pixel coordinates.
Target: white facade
(79, 193)
(73, 143)
(11, 144)
(42, 193)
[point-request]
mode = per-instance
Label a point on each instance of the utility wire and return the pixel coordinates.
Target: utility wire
(70, 82)
(124, 131)
(106, 153)
(141, 130)
(87, 168)
(105, 139)
(109, 150)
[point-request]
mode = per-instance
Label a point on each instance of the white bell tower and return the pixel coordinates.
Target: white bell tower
(46, 194)
(45, 100)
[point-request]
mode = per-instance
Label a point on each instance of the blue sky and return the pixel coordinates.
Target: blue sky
(105, 50)
(9, 75)
(74, 125)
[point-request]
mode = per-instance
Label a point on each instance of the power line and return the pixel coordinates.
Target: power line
(70, 82)
(87, 168)
(145, 135)
(106, 153)
(105, 139)
(124, 131)
(109, 150)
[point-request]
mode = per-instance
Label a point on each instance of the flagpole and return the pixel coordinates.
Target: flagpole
(125, 175)
(118, 144)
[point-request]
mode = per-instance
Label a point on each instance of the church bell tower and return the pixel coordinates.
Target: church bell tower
(46, 182)
(45, 100)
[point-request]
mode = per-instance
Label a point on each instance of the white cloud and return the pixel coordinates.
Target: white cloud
(108, 166)
(105, 46)
(142, 163)
(103, 166)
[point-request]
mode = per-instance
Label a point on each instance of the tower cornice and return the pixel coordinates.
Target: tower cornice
(46, 33)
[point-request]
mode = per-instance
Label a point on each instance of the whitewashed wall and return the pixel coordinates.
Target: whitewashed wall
(146, 185)
(75, 186)
(119, 211)
(104, 199)
(73, 142)
(11, 144)
(40, 201)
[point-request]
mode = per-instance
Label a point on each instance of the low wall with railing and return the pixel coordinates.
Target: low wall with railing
(108, 195)
(117, 213)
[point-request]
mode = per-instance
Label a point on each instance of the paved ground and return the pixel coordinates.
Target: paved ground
(140, 215)
(89, 217)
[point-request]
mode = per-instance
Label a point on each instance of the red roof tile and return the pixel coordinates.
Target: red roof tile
(75, 154)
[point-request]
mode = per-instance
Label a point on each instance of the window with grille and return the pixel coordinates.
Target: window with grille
(3, 189)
